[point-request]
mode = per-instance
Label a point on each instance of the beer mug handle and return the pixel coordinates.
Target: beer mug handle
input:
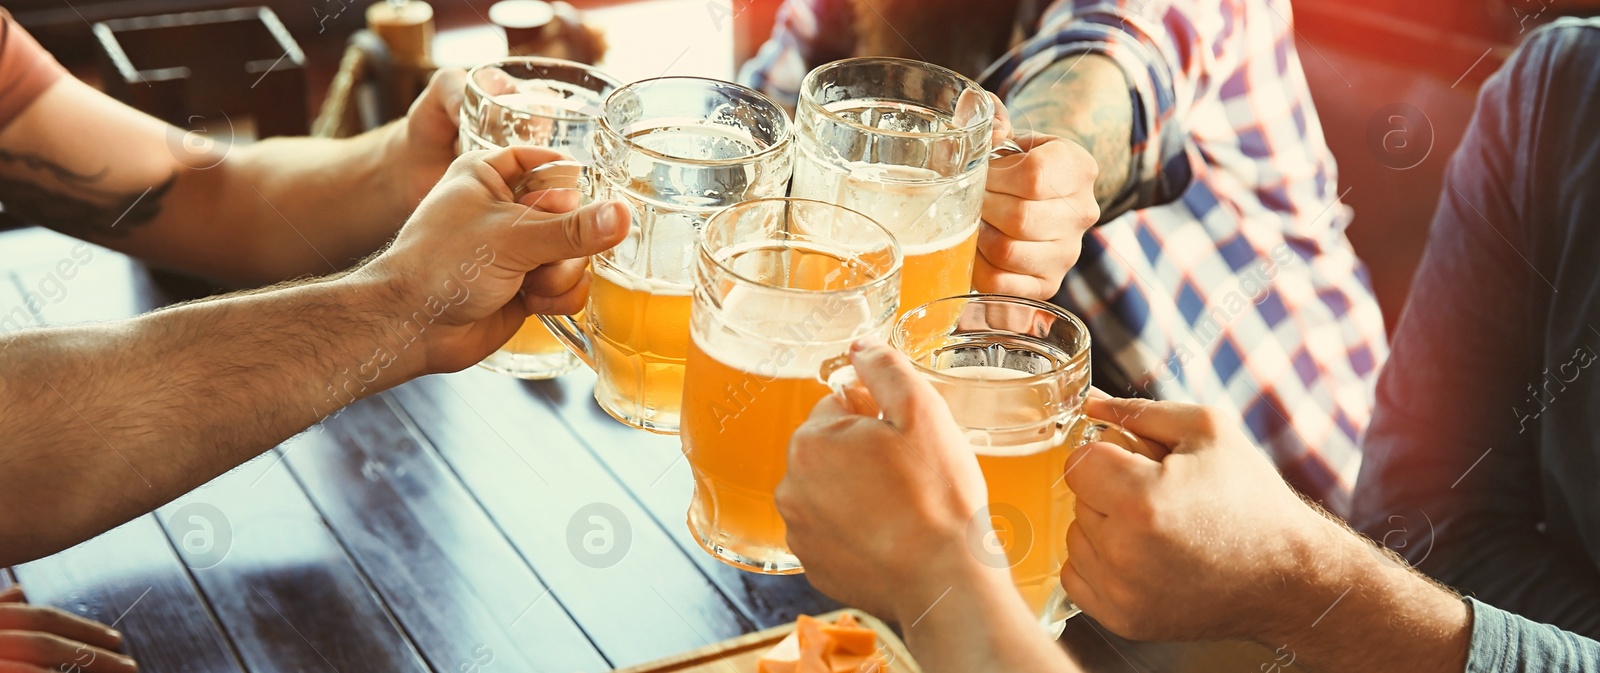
(563, 175)
(1007, 148)
(1088, 430)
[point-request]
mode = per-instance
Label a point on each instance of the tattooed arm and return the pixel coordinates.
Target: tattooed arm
(84, 164)
(1085, 99)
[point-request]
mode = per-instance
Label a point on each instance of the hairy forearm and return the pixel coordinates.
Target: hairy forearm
(1358, 607)
(104, 422)
(1084, 99)
(977, 623)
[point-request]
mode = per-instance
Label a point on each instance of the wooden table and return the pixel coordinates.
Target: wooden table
(459, 523)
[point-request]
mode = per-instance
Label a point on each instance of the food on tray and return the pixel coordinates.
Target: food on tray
(816, 646)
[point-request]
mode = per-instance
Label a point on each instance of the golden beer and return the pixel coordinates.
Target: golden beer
(1015, 373)
(939, 269)
(641, 338)
(778, 301)
(736, 431)
(1030, 505)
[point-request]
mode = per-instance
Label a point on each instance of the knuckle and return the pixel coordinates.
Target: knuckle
(572, 229)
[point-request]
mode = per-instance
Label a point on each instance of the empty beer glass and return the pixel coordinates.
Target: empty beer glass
(675, 150)
(1015, 373)
(781, 288)
(543, 102)
(906, 143)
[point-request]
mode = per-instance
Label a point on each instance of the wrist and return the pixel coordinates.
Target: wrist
(381, 299)
(953, 573)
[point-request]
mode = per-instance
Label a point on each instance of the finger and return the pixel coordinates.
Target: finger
(510, 163)
(1166, 422)
(1052, 168)
(987, 277)
(1001, 131)
(20, 617)
(1030, 220)
(1107, 477)
(448, 88)
(1079, 590)
(19, 667)
(567, 303)
(1098, 394)
(1084, 555)
(53, 651)
(1041, 259)
(829, 408)
(12, 594)
(555, 200)
(554, 280)
(592, 229)
(899, 390)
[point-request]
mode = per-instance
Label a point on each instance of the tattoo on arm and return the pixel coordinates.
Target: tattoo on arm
(1084, 99)
(70, 202)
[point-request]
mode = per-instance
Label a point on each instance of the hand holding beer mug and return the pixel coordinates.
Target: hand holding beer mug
(1015, 373)
(781, 289)
(543, 102)
(675, 150)
(907, 144)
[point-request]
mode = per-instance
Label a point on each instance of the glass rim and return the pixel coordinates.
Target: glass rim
(1072, 363)
(472, 83)
(896, 255)
(805, 96)
(781, 143)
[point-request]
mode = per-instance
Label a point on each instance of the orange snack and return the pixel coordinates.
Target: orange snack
(819, 647)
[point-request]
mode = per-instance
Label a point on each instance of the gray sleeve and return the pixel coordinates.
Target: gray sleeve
(1505, 643)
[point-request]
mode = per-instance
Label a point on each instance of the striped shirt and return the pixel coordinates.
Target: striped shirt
(1230, 283)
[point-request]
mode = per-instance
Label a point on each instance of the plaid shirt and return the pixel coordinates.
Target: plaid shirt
(1231, 284)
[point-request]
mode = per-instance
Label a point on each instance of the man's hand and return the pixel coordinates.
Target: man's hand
(1195, 546)
(877, 510)
(1036, 210)
(880, 511)
(425, 142)
(480, 263)
(37, 639)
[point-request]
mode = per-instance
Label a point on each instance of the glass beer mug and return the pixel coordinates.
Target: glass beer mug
(905, 143)
(543, 102)
(674, 150)
(781, 289)
(1015, 373)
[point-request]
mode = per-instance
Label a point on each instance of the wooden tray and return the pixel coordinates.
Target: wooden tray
(739, 655)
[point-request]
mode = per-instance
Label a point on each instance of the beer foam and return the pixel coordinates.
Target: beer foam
(782, 334)
(946, 243)
(655, 286)
(999, 407)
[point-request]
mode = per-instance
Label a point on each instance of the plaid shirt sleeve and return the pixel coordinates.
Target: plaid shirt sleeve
(1231, 282)
(806, 34)
(1118, 30)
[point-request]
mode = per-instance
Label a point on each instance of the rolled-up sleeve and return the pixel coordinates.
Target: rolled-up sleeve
(1505, 643)
(1161, 167)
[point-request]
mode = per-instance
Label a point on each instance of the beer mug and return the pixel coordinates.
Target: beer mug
(675, 150)
(543, 102)
(905, 143)
(1015, 373)
(781, 289)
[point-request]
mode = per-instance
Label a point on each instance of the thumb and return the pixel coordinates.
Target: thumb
(592, 229)
(896, 386)
(1169, 423)
(441, 100)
